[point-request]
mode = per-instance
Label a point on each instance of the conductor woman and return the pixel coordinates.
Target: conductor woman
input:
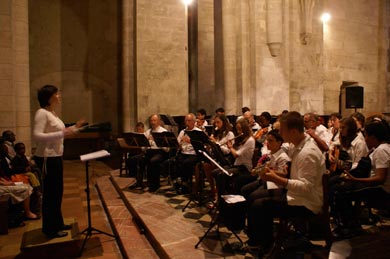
(49, 133)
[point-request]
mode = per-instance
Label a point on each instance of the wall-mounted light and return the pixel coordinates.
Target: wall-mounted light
(325, 17)
(187, 2)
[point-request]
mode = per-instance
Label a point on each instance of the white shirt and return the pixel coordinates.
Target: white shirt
(223, 142)
(278, 160)
(304, 188)
(245, 154)
(357, 150)
(48, 134)
(186, 148)
(148, 133)
(323, 133)
(380, 158)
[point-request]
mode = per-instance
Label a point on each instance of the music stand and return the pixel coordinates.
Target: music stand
(88, 231)
(217, 218)
(137, 139)
(198, 140)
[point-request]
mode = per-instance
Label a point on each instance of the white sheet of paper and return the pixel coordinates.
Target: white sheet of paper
(94, 155)
(271, 185)
(233, 198)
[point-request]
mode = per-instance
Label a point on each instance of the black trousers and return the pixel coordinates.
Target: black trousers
(53, 188)
(262, 212)
(154, 159)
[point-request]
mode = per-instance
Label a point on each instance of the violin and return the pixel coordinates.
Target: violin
(260, 133)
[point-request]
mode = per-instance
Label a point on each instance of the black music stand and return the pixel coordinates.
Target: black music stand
(139, 140)
(199, 140)
(166, 139)
(88, 231)
(217, 218)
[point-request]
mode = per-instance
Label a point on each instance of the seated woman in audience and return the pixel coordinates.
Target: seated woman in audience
(9, 140)
(377, 138)
(222, 133)
(18, 193)
(276, 160)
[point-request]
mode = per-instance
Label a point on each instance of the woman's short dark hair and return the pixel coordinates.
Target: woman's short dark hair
(45, 93)
(379, 129)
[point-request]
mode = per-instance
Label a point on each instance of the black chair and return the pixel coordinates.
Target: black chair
(371, 198)
(290, 225)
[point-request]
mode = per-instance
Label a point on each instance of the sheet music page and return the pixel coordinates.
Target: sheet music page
(271, 185)
(215, 163)
(233, 198)
(94, 155)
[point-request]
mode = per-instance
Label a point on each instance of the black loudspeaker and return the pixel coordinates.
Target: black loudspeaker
(354, 97)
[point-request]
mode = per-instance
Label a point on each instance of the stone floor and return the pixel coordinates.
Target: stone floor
(163, 229)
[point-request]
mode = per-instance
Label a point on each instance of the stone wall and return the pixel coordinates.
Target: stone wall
(162, 81)
(355, 46)
(74, 45)
(14, 70)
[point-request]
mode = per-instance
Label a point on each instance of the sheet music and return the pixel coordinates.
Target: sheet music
(215, 163)
(94, 155)
(271, 185)
(233, 198)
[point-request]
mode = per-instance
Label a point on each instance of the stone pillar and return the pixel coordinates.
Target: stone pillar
(14, 70)
(129, 112)
(306, 8)
(229, 32)
(244, 59)
(274, 26)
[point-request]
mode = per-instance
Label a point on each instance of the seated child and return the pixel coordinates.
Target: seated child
(21, 165)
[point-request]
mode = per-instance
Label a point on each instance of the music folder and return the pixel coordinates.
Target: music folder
(94, 155)
(198, 139)
(209, 129)
(165, 139)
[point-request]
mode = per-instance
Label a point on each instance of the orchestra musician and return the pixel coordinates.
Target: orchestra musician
(304, 187)
(261, 135)
(221, 135)
(186, 157)
(201, 119)
(276, 160)
(317, 131)
(251, 119)
(242, 151)
(155, 155)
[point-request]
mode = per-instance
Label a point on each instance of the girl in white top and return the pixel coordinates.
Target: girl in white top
(351, 142)
(222, 134)
(49, 132)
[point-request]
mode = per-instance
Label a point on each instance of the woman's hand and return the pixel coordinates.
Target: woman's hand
(80, 123)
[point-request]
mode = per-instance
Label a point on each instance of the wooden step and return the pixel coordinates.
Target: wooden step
(131, 241)
(36, 244)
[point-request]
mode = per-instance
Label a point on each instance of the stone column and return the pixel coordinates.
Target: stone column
(274, 26)
(129, 107)
(229, 32)
(14, 70)
(306, 8)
